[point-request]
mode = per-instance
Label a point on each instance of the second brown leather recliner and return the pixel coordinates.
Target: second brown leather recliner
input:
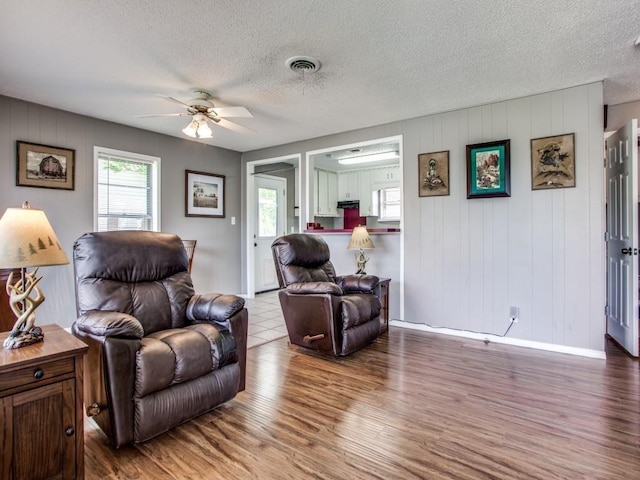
(323, 311)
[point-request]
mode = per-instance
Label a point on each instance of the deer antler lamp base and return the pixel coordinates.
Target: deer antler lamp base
(23, 305)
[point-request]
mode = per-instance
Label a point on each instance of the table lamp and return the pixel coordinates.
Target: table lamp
(360, 240)
(27, 240)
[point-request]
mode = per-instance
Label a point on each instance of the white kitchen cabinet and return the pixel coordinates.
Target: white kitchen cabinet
(348, 186)
(364, 193)
(326, 193)
(386, 175)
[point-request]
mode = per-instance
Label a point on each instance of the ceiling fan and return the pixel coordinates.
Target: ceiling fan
(202, 110)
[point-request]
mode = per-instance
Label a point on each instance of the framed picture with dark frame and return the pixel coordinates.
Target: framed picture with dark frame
(43, 166)
(204, 194)
(433, 174)
(553, 162)
(488, 170)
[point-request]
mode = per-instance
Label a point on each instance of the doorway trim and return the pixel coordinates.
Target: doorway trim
(251, 213)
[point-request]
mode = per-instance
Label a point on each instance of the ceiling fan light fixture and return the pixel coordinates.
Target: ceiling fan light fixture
(198, 127)
(191, 129)
(204, 131)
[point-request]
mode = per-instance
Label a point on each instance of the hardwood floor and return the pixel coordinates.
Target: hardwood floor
(413, 405)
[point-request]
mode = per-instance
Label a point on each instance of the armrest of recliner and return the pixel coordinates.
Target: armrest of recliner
(109, 324)
(358, 283)
(213, 307)
(314, 287)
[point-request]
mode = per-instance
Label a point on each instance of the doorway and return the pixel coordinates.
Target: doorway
(270, 224)
(257, 173)
(622, 238)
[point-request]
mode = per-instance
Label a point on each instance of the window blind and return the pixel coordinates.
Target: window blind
(126, 192)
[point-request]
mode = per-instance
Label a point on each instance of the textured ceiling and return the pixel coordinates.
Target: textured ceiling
(382, 61)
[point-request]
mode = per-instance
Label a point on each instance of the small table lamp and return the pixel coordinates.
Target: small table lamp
(27, 240)
(360, 240)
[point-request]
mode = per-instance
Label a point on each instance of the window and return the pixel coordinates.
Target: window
(267, 212)
(389, 201)
(127, 193)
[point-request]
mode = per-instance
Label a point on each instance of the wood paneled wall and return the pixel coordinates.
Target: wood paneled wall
(467, 261)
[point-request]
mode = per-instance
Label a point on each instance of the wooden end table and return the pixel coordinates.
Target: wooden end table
(41, 413)
(382, 292)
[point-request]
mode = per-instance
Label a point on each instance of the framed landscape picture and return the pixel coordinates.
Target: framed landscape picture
(44, 166)
(433, 174)
(553, 162)
(204, 194)
(488, 170)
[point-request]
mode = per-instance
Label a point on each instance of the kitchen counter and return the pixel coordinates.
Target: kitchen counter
(350, 230)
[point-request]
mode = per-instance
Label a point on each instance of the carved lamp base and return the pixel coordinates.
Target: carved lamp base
(22, 339)
(23, 305)
(361, 261)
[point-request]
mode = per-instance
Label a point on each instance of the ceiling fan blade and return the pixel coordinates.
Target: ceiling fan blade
(174, 100)
(231, 125)
(232, 112)
(185, 114)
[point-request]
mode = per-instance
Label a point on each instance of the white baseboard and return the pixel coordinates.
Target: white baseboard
(550, 347)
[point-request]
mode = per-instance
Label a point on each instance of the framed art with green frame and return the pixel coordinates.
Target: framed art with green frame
(488, 170)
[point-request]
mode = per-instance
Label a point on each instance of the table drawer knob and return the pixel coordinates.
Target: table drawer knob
(69, 432)
(38, 373)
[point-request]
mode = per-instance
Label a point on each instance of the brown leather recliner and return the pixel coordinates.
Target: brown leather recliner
(323, 311)
(159, 355)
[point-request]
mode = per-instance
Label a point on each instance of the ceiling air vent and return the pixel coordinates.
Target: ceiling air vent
(303, 64)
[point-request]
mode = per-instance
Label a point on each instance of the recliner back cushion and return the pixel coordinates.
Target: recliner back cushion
(302, 258)
(143, 274)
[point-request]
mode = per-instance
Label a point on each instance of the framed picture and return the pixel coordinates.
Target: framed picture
(553, 162)
(204, 194)
(488, 170)
(44, 166)
(433, 174)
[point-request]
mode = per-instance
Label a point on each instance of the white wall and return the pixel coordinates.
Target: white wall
(217, 259)
(468, 261)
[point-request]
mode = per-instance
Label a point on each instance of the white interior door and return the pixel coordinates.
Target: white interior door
(270, 224)
(622, 237)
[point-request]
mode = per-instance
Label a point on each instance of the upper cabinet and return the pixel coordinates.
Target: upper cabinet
(348, 186)
(386, 175)
(365, 191)
(326, 193)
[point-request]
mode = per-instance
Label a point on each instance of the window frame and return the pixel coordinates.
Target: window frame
(155, 163)
(382, 202)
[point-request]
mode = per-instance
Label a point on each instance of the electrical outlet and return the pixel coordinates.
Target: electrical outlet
(514, 313)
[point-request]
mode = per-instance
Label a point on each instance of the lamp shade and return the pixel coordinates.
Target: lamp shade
(28, 240)
(360, 239)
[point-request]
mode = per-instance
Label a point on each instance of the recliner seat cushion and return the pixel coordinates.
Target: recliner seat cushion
(174, 356)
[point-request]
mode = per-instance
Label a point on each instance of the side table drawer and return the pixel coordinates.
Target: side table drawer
(35, 374)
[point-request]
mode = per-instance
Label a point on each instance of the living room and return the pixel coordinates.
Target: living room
(463, 262)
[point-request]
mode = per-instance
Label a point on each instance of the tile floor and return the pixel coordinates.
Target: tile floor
(265, 319)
